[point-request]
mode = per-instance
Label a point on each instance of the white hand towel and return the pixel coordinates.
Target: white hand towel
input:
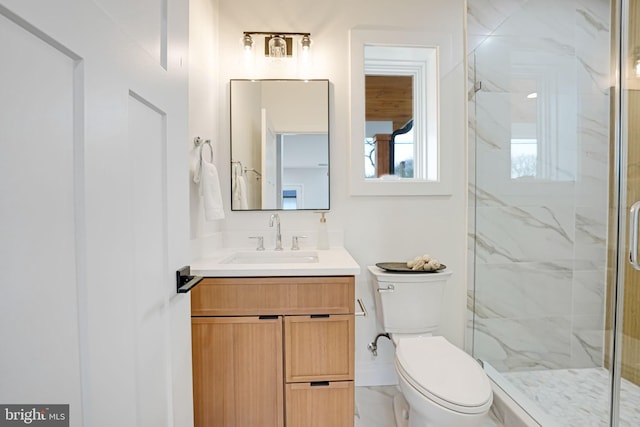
(210, 190)
(240, 193)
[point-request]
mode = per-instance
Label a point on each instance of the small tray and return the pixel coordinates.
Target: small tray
(401, 267)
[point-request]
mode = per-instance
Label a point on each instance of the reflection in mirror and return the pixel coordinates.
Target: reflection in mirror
(389, 126)
(279, 144)
(542, 147)
(401, 115)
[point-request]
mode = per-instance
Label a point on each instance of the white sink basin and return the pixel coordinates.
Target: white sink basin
(271, 257)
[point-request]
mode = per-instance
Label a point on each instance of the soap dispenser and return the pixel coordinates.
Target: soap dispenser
(323, 233)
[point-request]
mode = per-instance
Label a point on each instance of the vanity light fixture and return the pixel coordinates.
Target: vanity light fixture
(277, 44)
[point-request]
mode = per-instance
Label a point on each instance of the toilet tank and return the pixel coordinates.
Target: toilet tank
(408, 302)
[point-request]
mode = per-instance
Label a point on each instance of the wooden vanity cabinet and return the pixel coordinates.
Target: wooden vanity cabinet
(273, 351)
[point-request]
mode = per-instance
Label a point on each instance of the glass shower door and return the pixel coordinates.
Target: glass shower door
(542, 190)
(626, 317)
(554, 175)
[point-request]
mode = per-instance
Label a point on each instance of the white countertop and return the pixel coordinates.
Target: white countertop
(331, 262)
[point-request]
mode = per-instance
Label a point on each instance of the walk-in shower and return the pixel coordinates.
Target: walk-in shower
(554, 121)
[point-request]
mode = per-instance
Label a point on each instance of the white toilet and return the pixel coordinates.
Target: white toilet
(443, 385)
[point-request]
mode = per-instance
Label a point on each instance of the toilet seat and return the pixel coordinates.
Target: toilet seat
(444, 374)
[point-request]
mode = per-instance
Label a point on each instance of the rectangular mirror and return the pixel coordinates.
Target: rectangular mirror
(279, 144)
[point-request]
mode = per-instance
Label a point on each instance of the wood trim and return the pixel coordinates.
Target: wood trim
(631, 307)
(389, 99)
(630, 328)
(246, 296)
(383, 154)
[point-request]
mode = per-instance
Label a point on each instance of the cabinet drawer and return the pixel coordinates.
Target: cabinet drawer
(246, 296)
(319, 348)
(319, 405)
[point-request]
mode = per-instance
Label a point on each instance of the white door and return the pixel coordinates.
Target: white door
(270, 192)
(93, 209)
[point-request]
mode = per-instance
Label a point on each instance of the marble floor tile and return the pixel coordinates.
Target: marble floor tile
(374, 408)
(577, 397)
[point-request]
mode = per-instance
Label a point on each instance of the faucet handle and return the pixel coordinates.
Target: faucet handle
(294, 242)
(260, 242)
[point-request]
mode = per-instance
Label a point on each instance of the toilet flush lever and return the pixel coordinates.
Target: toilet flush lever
(386, 290)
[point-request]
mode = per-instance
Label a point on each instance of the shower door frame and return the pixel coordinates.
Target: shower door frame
(621, 54)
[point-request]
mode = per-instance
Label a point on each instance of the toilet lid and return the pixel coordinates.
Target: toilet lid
(444, 373)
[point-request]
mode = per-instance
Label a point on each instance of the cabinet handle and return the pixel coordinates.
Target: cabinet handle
(319, 384)
(319, 316)
(633, 235)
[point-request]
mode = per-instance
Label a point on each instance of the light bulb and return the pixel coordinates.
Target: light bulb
(247, 42)
(277, 47)
(305, 42)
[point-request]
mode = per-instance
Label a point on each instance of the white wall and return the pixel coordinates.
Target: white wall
(375, 228)
(301, 156)
(204, 106)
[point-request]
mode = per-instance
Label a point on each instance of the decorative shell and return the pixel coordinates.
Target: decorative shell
(424, 263)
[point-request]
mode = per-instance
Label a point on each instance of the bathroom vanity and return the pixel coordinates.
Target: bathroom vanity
(272, 346)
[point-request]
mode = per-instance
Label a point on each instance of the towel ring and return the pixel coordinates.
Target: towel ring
(238, 169)
(197, 141)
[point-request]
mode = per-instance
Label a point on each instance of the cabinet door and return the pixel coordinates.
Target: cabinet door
(237, 371)
(319, 348)
(320, 405)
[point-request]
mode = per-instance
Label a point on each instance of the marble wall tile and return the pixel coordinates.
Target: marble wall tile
(593, 41)
(587, 341)
(493, 126)
(591, 235)
(537, 246)
(525, 234)
(484, 16)
(542, 18)
(592, 188)
(524, 344)
(589, 289)
(524, 290)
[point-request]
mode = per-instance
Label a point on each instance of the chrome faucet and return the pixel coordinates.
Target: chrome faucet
(278, 234)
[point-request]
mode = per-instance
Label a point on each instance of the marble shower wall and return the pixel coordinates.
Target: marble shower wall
(537, 245)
